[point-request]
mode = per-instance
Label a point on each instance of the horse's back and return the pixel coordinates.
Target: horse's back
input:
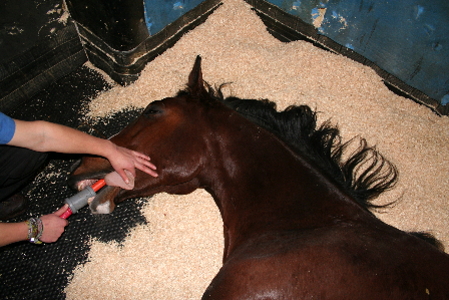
(334, 264)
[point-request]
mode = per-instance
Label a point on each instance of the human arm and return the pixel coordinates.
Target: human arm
(12, 232)
(53, 227)
(45, 136)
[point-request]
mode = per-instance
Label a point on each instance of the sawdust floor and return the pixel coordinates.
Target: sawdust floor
(179, 251)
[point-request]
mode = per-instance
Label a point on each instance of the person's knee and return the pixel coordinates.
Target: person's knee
(18, 166)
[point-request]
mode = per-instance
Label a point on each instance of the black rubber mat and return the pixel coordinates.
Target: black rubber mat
(29, 271)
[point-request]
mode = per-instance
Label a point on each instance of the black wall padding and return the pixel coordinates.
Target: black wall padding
(27, 74)
(123, 52)
(119, 23)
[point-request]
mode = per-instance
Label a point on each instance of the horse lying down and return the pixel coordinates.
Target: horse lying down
(296, 217)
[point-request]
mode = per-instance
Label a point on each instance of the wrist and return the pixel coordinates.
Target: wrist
(110, 150)
(35, 230)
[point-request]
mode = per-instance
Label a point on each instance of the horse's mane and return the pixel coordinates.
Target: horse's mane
(364, 174)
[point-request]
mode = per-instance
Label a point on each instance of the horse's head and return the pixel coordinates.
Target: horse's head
(171, 132)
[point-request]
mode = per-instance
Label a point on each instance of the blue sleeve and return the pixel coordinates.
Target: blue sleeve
(7, 128)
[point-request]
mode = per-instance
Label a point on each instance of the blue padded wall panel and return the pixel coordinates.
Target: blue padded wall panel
(407, 38)
(160, 13)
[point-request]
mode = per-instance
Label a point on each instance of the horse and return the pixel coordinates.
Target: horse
(297, 217)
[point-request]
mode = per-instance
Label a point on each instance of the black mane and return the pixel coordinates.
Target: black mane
(364, 175)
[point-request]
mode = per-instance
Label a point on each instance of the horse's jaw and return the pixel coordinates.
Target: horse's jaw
(108, 197)
(105, 201)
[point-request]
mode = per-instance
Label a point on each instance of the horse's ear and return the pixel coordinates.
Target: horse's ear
(196, 84)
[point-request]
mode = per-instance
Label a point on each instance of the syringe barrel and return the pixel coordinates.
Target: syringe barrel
(79, 200)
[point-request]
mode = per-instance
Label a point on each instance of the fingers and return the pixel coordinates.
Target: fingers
(53, 227)
(123, 175)
(141, 156)
(148, 168)
(148, 171)
(144, 164)
(149, 164)
(131, 160)
(143, 159)
(62, 210)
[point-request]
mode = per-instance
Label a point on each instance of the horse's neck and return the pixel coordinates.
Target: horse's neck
(263, 186)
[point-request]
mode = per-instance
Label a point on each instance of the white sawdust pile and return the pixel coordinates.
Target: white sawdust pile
(176, 255)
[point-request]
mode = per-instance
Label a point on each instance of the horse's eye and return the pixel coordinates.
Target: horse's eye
(152, 110)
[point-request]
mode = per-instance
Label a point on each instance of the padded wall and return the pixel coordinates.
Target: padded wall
(406, 41)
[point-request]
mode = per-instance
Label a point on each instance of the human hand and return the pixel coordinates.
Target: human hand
(53, 225)
(126, 159)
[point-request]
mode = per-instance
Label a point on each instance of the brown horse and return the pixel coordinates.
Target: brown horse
(296, 216)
